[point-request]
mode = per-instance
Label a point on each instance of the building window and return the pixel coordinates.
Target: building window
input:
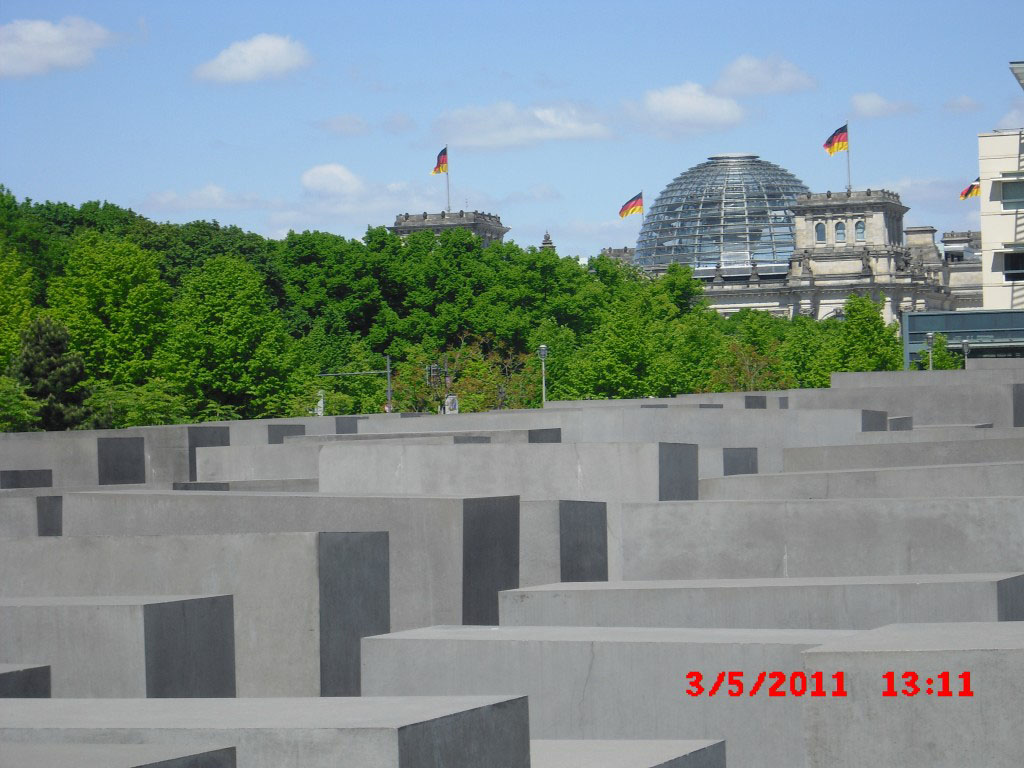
(819, 233)
(858, 231)
(840, 232)
(1013, 266)
(1013, 194)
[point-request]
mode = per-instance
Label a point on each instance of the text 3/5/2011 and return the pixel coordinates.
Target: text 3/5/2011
(775, 683)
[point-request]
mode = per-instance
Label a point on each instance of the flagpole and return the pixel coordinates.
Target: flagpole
(849, 184)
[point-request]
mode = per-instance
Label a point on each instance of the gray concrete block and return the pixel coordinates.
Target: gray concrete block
(204, 437)
(630, 753)
(276, 433)
(901, 423)
(603, 682)
(125, 646)
(26, 478)
(24, 681)
(951, 480)
(428, 542)
(586, 471)
(874, 421)
(755, 401)
(49, 515)
(464, 439)
(120, 460)
(583, 540)
(289, 461)
(880, 456)
(846, 602)
(281, 584)
(1018, 405)
(924, 729)
(739, 461)
(837, 537)
(454, 732)
(14, 755)
(19, 516)
(347, 425)
(552, 435)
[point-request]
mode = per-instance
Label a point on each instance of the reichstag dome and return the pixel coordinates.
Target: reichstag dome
(732, 210)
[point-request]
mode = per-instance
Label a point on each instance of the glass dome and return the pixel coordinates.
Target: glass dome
(732, 210)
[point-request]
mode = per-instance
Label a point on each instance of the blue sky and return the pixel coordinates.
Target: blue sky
(329, 115)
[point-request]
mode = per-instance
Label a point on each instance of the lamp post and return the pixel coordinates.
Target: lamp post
(965, 346)
(543, 352)
(930, 339)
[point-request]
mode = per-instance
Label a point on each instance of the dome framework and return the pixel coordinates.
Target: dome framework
(732, 210)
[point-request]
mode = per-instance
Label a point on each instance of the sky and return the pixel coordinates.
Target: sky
(329, 115)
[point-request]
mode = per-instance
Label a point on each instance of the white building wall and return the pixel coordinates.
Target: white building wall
(1002, 225)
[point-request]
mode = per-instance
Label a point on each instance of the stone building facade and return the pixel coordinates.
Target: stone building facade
(486, 226)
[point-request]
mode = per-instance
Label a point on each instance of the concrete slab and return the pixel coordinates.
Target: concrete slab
(24, 681)
(849, 602)
(836, 537)
(13, 755)
(439, 569)
(294, 461)
(586, 471)
(951, 480)
(455, 732)
(125, 646)
(608, 682)
(302, 601)
(917, 729)
(844, 457)
(632, 753)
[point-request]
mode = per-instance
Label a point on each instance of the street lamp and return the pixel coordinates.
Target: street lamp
(965, 346)
(930, 339)
(543, 352)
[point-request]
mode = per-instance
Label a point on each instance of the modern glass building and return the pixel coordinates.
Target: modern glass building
(732, 210)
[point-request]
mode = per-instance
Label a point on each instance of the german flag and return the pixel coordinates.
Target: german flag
(838, 141)
(442, 162)
(972, 190)
(633, 205)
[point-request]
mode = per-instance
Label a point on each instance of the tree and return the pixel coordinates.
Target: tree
(16, 305)
(227, 349)
(114, 406)
(51, 374)
(113, 303)
(866, 343)
(18, 411)
(942, 358)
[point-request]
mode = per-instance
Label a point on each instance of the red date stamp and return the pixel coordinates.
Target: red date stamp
(774, 683)
(799, 683)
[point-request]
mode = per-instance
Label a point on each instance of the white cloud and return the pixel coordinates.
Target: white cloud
(332, 180)
(749, 75)
(34, 47)
(874, 105)
(506, 125)
(346, 125)
(688, 108)
(1014, 118)
(399, 122)
(961, 105)
(208, 198)
(258, 58)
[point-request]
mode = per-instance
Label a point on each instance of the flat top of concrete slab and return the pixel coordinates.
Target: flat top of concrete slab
(948, 468)
(23, 602)
(21, 755)
(794, 581)
(826, 506)
(331, 713)
(958, 636)
(694, 636)
(262, 494)
(600, 753)
(5, 668)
